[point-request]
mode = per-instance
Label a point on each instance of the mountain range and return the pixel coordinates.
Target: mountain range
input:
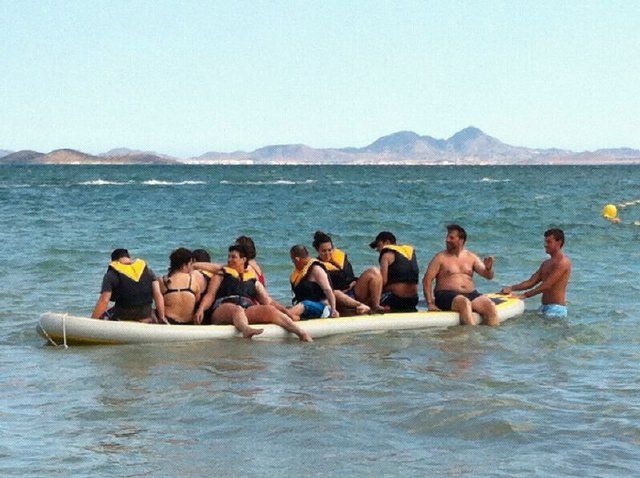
(469, 146)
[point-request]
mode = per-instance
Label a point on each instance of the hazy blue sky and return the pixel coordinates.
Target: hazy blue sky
(187, 77)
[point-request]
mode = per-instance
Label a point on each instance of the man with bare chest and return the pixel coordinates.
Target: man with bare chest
(552, 277)
(453, 269)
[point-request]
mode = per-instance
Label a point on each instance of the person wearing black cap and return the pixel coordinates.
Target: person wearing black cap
(133, 287)
(399, 270)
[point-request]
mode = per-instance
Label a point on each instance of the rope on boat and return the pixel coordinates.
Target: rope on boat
(64, 331)
(64, 334)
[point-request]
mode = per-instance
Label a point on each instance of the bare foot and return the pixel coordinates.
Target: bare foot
(379, 310)
(250, 332)
(305, 336)
(363, 309)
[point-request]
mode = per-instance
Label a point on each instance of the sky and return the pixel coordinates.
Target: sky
(188, 77)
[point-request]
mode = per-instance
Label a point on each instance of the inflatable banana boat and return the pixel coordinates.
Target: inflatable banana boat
(59, 328)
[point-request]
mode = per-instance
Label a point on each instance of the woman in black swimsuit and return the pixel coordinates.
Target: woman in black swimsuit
(180, 288)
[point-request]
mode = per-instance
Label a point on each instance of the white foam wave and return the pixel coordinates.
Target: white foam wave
(628, 203)
(103, 182)
(157, 182)
(491, 180)
(267, 183)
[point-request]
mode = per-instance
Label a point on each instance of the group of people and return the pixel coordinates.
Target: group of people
(198, 291)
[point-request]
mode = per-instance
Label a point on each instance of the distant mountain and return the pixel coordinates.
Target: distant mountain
(71, 156)
(21, 157)
(4, 152)
(469, 146)
(405, 143)
(619, 152)
(136, 153)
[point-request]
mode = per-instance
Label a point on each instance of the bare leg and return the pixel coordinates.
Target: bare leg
(267, 314)
(345, 301)
(462, 305)
(296, 310)
(487, 309)
(234, 314)
(368, 288)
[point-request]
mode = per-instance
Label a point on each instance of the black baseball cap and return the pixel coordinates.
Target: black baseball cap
(383, 236)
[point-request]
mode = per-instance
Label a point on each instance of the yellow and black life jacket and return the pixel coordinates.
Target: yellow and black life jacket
(303, 288)
(339, 270)
(405, 265)
(135, 284)
(237, 284)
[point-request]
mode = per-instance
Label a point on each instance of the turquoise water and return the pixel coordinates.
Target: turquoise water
(532, 397)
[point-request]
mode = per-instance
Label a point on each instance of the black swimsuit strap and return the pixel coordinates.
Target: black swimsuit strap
(186, 289)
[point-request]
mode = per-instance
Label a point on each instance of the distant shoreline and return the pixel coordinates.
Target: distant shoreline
(362, 165)
(468, 147)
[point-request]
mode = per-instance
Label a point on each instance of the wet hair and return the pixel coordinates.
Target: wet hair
(558, 234)
(299, 251)
(320, 238)
(179, 258)
(119, 253)
(249, 246)
(242, 252)
(462, 234)
(201, 255)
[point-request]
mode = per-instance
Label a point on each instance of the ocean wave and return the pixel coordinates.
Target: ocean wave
(10, 186)
(622, 205)
(466, 181)
(267, 183)
(492, 180)
(157, 182)
(103, 182)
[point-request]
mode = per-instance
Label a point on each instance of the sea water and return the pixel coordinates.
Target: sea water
(531, 397)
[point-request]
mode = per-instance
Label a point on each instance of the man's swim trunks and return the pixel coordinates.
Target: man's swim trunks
(399, 304)
(553, 311)
(314, 310)
(444, 298)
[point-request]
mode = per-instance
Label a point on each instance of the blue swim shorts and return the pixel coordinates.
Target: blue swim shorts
(553, 311)
(315, 310)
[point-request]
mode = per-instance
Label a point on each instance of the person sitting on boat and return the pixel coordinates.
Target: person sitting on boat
(360, 293)
(250, 247)
(238, 298)
(133, 286)
(205, 270)
(399, 271)
(313, 294)
(453, 269)
(180, 288)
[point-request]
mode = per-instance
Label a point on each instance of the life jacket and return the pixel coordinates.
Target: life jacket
(339, 270)
(135, 284)
(303, 288)
(405, 265)
(236, 284)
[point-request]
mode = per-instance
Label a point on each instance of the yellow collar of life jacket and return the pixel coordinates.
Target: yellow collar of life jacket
(247, 275)
(338, 258)
(405, 250)
(298, 274)
(133, 271)
(206, 273)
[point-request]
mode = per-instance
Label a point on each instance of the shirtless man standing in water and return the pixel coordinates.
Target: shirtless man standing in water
(552, 275)
(455, 290)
